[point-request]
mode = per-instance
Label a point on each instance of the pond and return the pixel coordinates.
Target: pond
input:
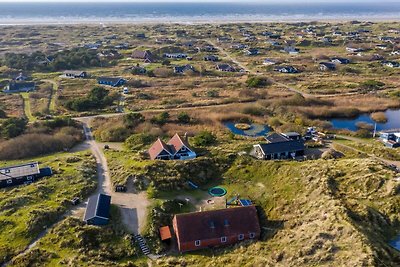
(254, 130)
(393, 116)
(396, 243)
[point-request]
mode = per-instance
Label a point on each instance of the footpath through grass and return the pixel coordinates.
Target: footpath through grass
(27, 107)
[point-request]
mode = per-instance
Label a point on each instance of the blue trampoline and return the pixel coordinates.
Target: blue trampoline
(217, 191)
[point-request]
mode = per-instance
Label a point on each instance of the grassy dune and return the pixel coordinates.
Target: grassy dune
(26, 210)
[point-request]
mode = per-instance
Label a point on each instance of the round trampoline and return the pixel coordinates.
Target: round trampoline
(217, 191)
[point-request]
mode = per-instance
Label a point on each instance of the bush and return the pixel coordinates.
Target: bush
(97, 98)
(136, 141)
(13, 127)
(257, 81)
(132, 120)
(32, 145)
(372, 85)
(116, 134)
(137, 84)
(3, 114)
(204, 138)
(183, 117)
(213, 93)
(160, 119)
(363, 133)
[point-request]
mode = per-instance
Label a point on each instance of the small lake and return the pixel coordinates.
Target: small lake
(392, 115)
(396, 243)
(254, 131)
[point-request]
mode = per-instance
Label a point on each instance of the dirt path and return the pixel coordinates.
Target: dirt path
(358, 140)
(27, 107)
(133, 205)
(53, 96)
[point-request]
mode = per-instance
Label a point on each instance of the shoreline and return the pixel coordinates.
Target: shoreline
(192, 22)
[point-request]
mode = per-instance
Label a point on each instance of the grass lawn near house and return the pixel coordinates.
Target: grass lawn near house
(27, 209)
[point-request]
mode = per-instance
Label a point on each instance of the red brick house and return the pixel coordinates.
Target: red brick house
(214, 228)
(176, 148)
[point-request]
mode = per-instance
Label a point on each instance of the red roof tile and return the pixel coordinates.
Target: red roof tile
(157, 148)
(216, 223)
(177, 142)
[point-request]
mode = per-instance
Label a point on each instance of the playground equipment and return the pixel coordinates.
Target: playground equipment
(217, 191)
(193, 185)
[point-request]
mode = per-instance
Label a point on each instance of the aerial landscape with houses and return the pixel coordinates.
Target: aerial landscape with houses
(240, 144)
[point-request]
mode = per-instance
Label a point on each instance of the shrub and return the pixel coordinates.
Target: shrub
(204, 138)
(3, 114)
(257, 81)
(363, 133)
(132, 120)
(116, 134)
(31, 145)
(253, 110)
(137, 84)
(166, 62)
(13, 127)
(97, 98)
(160, 119)
(213, 93)
(372, 84)
(137, 141)
(59, 122)
(183, 117)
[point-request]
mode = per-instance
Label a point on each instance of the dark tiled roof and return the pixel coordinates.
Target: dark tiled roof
(280, 147)
(216, 223)
(276, 138)
(21, 85)
(109, 79)
(98, 206)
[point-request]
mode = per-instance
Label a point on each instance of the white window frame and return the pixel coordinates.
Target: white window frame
(252, 235)
(224, 239)
(240, 237)
(197, 243)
